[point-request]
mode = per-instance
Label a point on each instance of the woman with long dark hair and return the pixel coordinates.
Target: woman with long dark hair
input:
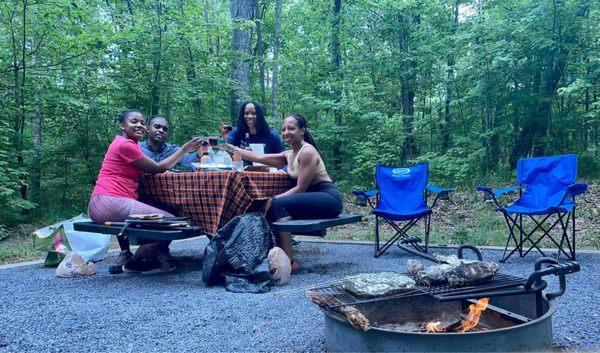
(115, 195)
(314, 196)
(252, 127)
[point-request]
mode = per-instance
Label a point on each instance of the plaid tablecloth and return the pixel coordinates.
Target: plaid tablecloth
(211, 199)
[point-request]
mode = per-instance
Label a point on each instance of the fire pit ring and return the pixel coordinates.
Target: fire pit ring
(518, 317)
(532, 336)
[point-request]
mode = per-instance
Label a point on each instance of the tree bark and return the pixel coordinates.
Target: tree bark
(156, 63)
(337, 79)
(276, 46)
(19, 68)
(407, 89)
(240, 11)
(130, 7)
(191, 65)
(36, 174)
(447, 127)
(550, 67)
(259, 51)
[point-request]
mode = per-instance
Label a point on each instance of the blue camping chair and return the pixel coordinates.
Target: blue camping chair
(547, 188)
(401, 201)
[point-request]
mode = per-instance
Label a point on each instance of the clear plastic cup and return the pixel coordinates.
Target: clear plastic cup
(238, 166)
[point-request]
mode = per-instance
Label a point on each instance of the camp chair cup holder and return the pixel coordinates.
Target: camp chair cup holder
(400, 200)
(547, 191)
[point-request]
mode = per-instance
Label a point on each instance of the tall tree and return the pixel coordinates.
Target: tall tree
(241, 12)
(260, 50)
(276, 48)
(336, 78)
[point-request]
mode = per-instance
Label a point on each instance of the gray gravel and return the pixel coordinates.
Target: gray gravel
(176, 312)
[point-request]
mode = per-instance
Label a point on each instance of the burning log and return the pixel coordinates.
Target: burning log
(357, 319)
(464, 325)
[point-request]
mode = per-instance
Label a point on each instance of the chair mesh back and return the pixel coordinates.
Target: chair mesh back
(401, 189)
(546, 179)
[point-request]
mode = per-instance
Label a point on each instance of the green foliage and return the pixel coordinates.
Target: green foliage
(11, 178)
(469, 95)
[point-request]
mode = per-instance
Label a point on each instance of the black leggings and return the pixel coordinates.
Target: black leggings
(322, 200)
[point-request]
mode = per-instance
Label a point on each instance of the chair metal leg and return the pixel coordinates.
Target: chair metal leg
(521, 235)
(565, 238)
(427, 229)
(528, 236)
(401, 233)
(511, 223)
(539, 225)
(377, 237)
(573, 235)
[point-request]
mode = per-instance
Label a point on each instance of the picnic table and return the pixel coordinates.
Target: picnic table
(212, 198)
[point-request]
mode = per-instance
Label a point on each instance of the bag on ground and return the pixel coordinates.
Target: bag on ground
(279, 266)
(55, 245)
(237, 255)
(91, 246)
(73, 265)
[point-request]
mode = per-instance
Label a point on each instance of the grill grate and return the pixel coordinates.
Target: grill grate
(334, 296)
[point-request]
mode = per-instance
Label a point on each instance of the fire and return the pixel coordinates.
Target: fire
(475, 311)
(465, 325)
(435, 327)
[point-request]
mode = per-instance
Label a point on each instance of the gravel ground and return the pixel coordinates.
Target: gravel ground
(176, 312)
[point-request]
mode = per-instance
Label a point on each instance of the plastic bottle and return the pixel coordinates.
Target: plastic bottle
(206, 158)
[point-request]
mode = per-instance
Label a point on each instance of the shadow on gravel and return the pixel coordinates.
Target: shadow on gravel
(186, 264)
(328, 268)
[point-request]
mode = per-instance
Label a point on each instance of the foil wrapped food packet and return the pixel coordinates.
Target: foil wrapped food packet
(377, 284)
(452, 270)
(472, 273)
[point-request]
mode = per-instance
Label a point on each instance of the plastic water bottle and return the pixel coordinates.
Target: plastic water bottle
(206, 158)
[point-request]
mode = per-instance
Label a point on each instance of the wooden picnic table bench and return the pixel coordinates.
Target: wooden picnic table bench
(315, 227)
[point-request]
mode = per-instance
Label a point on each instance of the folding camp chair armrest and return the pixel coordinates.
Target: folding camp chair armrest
(365, 196)
(493, 193)
(577, 189)
(574, 190)
(442, 193)
(498, 192)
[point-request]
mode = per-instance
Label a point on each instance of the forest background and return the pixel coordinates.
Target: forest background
(468, 86)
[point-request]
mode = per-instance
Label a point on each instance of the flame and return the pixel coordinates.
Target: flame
(434, 327)
(475, 311)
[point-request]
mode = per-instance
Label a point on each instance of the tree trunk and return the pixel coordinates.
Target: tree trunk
(19, 68)
(337, 79)
(191, 65)
(259, 51)
(276, 45)
(240, 11)
(130, 7)
(155, 90)
(551, 65)
(447, 127)
(36, 163)
(407, 90)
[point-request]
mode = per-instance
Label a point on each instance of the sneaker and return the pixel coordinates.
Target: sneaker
(147, 266)
(117, 268)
